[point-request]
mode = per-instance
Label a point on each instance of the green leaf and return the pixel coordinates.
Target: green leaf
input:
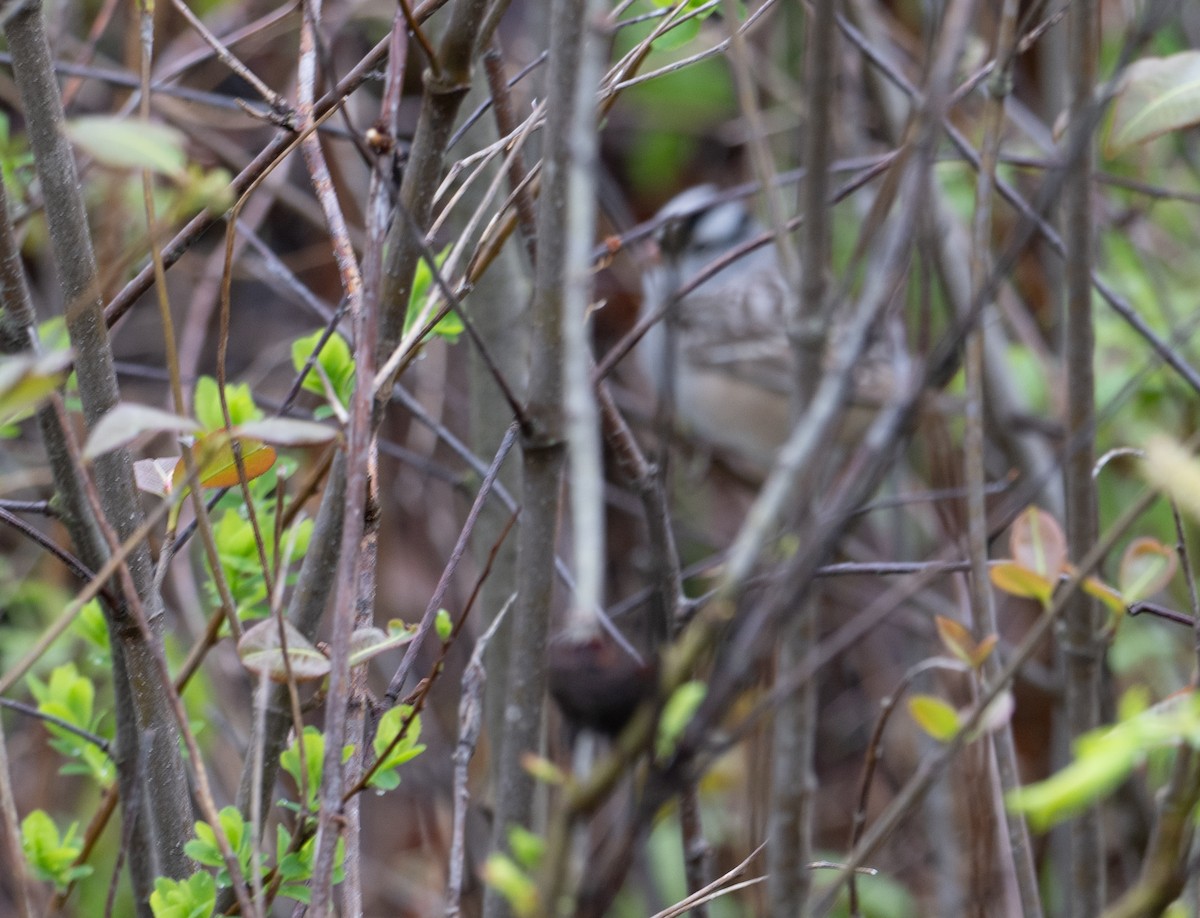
(206, 401)
(314, 754)
(27, 380)
(406, 748)
(129, 144)
(451, 326)
(934, 716)
(333, 373)
(680, 34)
(1017, 580)
(443, 624)
(90, 626)
(527, 847)
(195, 897)
(1105, 757)
(203, 849)
(516, 886)
(677, 713)
(1076, 787)
(52, 857)
(1156, 95)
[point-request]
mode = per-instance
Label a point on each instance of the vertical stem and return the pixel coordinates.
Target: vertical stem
(1082, 652)
(544, 447)
(12, 835)
(1000, 750)
(143, 712)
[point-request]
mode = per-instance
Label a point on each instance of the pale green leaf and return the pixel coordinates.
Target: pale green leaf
(123, 143)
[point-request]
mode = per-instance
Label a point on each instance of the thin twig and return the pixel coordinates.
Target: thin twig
(470, 722)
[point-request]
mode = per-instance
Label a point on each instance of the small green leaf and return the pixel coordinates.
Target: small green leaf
(406, 748)
(934, 716)
(1105, 757)
(52, 857)
(677, 713)
(443, 625)
(527, 847)
(1017, 580)
(1076, 787)
(678, 35)
(195, 897)
(206, 402)
(333, 373)
(27, 380)
(516, 886)
(314, 754)
(542, 769)
(451, 326)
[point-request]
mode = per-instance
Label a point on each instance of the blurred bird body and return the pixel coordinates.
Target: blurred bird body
(722, 351)
(726, 345)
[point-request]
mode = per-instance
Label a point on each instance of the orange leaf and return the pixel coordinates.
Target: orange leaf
(955, 638)
(1115, 602)
(218, 468)
(983, 650)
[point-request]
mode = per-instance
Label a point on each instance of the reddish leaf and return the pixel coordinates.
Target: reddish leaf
(1146, 567)
(955, 638)
(983, 650)
(1038, 543)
